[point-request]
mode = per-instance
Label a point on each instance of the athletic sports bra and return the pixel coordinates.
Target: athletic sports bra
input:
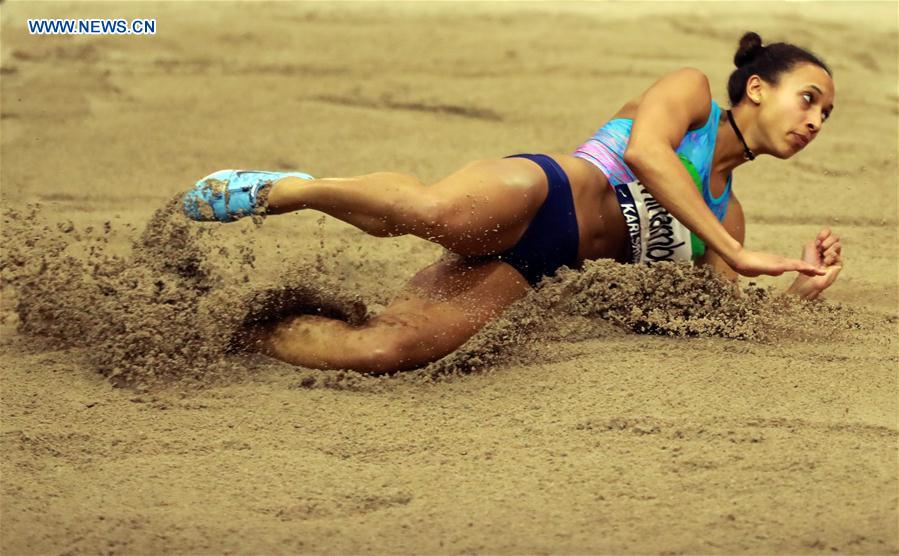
(606, 150)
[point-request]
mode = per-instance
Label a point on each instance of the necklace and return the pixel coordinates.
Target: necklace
(747, 153)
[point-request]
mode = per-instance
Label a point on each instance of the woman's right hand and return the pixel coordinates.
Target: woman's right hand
(755, 263)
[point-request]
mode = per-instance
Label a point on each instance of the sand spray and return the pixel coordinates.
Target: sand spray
(170, 309)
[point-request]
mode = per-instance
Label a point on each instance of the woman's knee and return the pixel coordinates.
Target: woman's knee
(384, 356)
(382, 359)
(392, 347)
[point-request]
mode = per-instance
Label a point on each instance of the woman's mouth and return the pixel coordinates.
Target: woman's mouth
(799, 140)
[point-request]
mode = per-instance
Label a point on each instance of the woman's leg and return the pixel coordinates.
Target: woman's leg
(483, 208)
(441, 307)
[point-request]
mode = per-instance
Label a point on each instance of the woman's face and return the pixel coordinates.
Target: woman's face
(793, 112)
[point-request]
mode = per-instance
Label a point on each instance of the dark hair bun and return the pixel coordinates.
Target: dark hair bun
(750, 47)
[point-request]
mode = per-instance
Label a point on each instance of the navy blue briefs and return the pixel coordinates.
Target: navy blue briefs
(552, 239)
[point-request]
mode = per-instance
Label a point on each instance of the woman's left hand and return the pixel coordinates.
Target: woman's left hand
(826, 252)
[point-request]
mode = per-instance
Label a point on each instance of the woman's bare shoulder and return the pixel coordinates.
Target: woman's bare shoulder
(629, 109)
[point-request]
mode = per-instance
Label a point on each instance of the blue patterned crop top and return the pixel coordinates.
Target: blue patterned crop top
(606, 150)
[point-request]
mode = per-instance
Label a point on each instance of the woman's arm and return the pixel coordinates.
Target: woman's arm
(735, 225)
(666, 112)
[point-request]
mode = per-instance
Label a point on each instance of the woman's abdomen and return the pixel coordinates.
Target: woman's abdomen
(601, 226)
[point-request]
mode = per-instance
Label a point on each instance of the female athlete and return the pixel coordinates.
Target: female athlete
(653, 184)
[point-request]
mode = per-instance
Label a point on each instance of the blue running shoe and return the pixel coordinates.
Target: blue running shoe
(228, 195)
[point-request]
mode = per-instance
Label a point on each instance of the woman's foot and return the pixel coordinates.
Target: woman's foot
(228, 195)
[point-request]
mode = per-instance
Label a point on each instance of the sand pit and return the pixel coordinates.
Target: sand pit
(617, 409)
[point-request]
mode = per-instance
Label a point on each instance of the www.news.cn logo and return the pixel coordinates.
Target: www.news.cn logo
(92, 27)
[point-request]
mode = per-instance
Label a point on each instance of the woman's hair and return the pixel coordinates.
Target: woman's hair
(768, 62)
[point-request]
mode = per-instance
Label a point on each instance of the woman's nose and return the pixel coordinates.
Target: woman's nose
(814, 123)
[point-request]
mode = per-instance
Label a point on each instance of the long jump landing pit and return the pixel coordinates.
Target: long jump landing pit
(572, 425)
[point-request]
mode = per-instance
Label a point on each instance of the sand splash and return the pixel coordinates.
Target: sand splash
(168, 310)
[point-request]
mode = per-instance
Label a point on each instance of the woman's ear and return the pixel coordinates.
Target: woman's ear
(755, 86)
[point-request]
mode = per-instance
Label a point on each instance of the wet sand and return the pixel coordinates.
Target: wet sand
(702, 423)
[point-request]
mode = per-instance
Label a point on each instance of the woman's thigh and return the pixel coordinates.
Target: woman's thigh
(489, 203)
(442, 307)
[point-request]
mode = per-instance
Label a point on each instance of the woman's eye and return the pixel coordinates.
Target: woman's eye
(810, 97)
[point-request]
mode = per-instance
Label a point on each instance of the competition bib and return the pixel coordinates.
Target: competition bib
(654, 234)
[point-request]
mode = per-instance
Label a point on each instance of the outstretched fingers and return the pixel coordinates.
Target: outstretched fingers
(803, 267)
(754, 263)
